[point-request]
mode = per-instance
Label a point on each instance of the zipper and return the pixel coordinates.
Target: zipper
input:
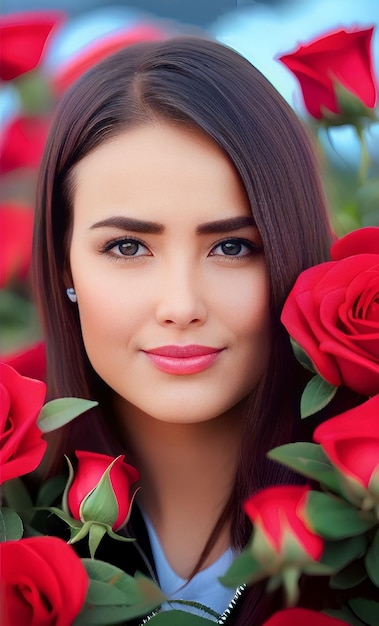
(223, 618)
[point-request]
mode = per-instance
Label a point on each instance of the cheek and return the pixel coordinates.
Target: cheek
(248, 304)
(109, 315)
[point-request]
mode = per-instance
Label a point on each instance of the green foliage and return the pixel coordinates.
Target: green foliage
(58, 413)
(334, 518)
(316, 395)
(11, 527)
(115, 597)
(309, 460)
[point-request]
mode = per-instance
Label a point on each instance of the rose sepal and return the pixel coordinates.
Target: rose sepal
(310, 460)
(244, 569)
(352, 110)
(353, 491)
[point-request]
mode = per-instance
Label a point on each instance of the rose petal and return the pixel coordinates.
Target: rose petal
(23, 37)
(351, 440)
(343, 56)
(51, 573)
(360, 241)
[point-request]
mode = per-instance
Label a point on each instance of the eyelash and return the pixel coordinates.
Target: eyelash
(252, 249)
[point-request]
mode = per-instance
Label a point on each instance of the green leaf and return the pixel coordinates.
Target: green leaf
(57, 413)
(301, 355)
(372, 560)
(334, 518)
(244, 569)
(132, 587)
(16, 495)
(145, 596)
(104, 594)
(366, 610)
(309, 460)
(51, 490)
(11, 527)
(349, 577)
(316, 395)
(345, 615)
(179, 618)
(338, 554)
(105, 572)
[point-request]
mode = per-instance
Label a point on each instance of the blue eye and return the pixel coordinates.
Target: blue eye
(235, 248)
(126, 248)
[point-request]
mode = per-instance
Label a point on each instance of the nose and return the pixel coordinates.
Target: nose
(180, 298)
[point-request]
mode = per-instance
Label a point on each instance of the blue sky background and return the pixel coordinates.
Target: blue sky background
(259, 31)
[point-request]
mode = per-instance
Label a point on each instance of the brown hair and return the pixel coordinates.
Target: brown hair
(204, 85)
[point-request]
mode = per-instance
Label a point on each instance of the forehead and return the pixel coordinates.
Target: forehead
(151, 170)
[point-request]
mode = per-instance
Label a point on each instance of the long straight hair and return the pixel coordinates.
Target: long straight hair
(204, 85)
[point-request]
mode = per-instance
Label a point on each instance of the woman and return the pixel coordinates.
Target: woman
(178, 201)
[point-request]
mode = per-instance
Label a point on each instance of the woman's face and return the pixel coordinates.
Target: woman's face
(171, 280)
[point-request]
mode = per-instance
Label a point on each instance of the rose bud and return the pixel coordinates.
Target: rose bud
(351, 442)
(101, 489)
(336, 75)
(282, 533)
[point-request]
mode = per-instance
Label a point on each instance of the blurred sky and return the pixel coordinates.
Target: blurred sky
(261, 31)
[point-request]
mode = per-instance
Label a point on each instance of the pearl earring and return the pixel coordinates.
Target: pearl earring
(71, 294)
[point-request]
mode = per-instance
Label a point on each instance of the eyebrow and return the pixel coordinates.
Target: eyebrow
(155, 228)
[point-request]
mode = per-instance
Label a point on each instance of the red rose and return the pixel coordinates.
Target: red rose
(43, 581)
(16, 227)
(333, 313)
(278, 513)
(91, 467)
(21, 443)
(30, 361)
(95, 52)
(22, 39)
(343, 57)
(302, 617)
(22, 143)
(351, 442)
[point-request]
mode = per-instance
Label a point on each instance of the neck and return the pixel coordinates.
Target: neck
(187, 474)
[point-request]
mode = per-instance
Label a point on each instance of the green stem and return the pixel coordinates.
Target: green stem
(290, 582)
(365, 157)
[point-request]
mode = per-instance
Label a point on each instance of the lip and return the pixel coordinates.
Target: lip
(183, 360)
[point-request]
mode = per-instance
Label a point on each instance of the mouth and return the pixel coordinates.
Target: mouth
(183, 360)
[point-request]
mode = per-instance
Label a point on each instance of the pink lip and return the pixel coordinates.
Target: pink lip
(183, 360)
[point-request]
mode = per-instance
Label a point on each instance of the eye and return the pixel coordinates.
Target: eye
(235, 248)
(127, 247)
